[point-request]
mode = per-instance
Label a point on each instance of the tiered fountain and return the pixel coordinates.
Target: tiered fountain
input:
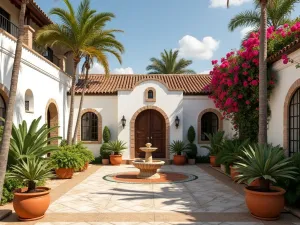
(148, 167)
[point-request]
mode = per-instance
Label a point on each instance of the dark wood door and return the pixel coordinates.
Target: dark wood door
(150, 127)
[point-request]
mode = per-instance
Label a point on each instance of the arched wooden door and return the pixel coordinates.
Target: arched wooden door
(150, 126)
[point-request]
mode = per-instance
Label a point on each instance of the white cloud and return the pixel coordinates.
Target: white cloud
(223, 3)
(127, 70)
(96, 69)
(245, 31)
(205, 72)
(191, 47)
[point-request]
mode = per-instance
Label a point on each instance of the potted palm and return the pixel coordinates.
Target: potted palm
(214, 148)
(178, 148)
(230, 152)
(193, 151)
(104, 153)
(65, 163)
(116, 148)
(267, 164)
(31, 202)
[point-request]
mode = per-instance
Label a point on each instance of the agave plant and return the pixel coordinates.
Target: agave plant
(32, 142)
(265, 163)
(178, 147)
(31, 171)
(216, 140)
(231, 150)
(117, 147)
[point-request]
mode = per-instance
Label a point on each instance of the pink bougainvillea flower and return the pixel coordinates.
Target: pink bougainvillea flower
(254, 83)
(240, 96)
(248, 102)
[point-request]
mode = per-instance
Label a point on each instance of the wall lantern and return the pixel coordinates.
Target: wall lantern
(177, 120)
(123, 120)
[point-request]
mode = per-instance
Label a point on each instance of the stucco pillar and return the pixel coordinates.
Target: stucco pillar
(28, 35)
(63, 62)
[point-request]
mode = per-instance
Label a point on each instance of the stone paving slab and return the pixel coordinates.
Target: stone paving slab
(152, 223)
(95, 195)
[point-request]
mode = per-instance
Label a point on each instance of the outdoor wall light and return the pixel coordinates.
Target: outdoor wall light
(123, 120)
(177, 120)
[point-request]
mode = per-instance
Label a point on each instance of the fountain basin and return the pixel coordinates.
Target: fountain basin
(148, 170)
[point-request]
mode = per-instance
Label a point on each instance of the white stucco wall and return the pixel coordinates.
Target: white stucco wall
(192, 107)
(286, 76)
(107, 107)
(44, 79)
(171, 102)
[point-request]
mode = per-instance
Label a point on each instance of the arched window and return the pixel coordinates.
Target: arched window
(29, 102)
(150, 95)
(209, 125)
(89, 127)
(294, 124)
(2, 110)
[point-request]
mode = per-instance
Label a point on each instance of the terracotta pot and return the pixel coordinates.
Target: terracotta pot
(115, 160)
(212, 160)
(86, 166)
(265, 205)
(223, 168)
(105, 161)
(64, 173)
(31, 206)
(179, 160)
(192, 161)
(233, 172)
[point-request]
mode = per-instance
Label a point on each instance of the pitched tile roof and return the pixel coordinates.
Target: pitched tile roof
(100, 85)
(293, 46)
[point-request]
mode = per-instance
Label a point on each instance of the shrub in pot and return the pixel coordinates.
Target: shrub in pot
(85, 154)
(65, 163)
(214, 147)
(31, 202)
(193, 151)
(230, 152)
(178, 148)
(267, 164)
(105, 153)
(116, 148)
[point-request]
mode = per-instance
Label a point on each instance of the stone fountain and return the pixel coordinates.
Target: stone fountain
(148, 167)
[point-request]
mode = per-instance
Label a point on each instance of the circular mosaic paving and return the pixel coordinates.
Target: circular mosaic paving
(165, 178)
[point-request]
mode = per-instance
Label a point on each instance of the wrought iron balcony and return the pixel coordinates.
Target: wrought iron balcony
(8, 26)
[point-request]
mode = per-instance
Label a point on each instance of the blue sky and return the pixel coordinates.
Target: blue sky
(198, 28)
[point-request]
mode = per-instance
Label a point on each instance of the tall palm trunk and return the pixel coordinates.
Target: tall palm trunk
(87, 68)
(12, 97)
(71, 114)
(263, 99)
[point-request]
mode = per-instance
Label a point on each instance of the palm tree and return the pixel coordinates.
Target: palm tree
(263, 99)
(168, 64)
(12, 97)
(278, 14)
(76, 30)
(104, 42)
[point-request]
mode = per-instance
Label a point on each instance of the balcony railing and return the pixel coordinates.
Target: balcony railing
(8, 26)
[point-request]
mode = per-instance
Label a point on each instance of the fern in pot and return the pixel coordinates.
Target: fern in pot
(116, 148)
(215, 145)
(268, 165)
(178, 148)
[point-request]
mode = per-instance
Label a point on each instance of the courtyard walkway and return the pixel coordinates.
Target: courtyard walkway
(96, 201)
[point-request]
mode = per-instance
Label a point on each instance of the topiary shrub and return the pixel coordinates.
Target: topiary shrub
(191, 134)
(106, 134)
(104, 152)
(193, 151)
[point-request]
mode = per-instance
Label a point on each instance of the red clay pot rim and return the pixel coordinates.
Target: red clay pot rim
(18, 193)
(280, 191)
(114, 155)
(211, 156)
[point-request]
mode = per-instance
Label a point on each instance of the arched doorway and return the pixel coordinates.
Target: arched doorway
(150, 126)
(52, 120)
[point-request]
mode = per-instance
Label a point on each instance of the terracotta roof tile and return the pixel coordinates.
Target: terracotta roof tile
(99, 84)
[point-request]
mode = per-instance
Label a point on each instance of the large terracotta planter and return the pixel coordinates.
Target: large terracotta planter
(265, 205)
(85, 166)
(115, 160)
(105, 161)
(64, 173)
(191, 161)
(31, 206)
(212, 160)
(233, 172)
(179, 160)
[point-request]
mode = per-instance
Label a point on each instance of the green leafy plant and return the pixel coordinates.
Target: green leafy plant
(231, 150)
(10, 184)
(104, 152)
(31, 142)
(67, 159)
(202, 159)
(63, 143)
(191, 134)
(117, 147)
(193, 151)
(178, 147)
(31, 171)
(106, 134)
(216, 141)
(266, 164)
(83, 152)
